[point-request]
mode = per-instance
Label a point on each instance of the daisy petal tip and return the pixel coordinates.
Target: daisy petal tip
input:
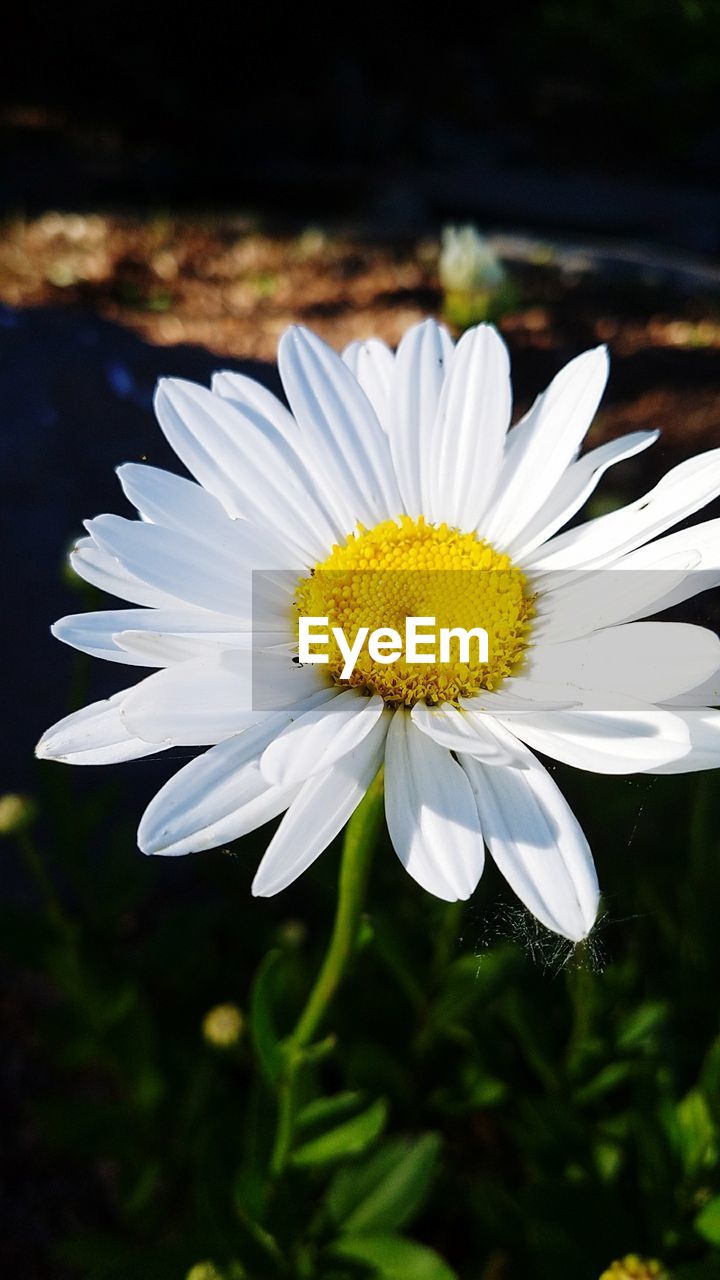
(575, 926)
(463, 893)
(429, 325)
(125, 471)
(260, 887)
(160, 852)
(491, 331)
(595, 358)
(162, 389)
(154, 844)
(47, 747)
(295, 335)
(579, 928)
(43, 749)
(147, 840)
(578, 935)
(174, 392)
(272, 769)
(577, 931)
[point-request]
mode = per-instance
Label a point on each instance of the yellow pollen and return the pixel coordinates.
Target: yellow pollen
(408, 568)
(635, 1268)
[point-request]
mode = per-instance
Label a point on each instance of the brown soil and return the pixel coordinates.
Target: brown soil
(223, 284)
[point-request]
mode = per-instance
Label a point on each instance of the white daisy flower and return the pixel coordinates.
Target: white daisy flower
(403, 465)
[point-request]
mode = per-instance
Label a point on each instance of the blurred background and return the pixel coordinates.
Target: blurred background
(176, 186)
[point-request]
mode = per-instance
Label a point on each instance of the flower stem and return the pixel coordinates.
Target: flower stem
(358, 847)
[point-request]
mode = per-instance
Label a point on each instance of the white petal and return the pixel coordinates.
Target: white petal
(431, 813)
(179, 504)
(94, 633)
(103, 571)
(243, 465)
(619, 741)
(603, 541)
(574, 488)
(455, 730)
(277, 423)
(506, 702)
(219, 796)
(193, 703)
(585, 602)
(201, 702)
(218, 579)
(153, 649)
(164, 498)
(372, 363)
(336, 417)
(551, 436)
(704, 695)
(650, 579)
(318, 738)
(319, 812)
(421, 364)
(537, 843)
(94, 735)
(703, 726)
(278, 679)
(516, 440)
(255, 400)
(209, 452)
(700, 545)
(521, 696)
(650, 661)
(468, 437)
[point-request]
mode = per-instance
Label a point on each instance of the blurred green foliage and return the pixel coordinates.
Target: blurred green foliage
(489, 1104)
(475, 285)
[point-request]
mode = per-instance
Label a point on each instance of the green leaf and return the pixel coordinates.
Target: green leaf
(639, 1027)
(323, 1111)
(348, 1139)
(610, 1077)
(709, 1081)
(261, 1018)
(707, 1222)
(386, 1190)
(394, 1258)
(696, 1137)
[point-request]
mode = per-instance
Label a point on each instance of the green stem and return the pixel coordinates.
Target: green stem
(358, 846)
(36, 867)
(69, 976)
(285, 1120)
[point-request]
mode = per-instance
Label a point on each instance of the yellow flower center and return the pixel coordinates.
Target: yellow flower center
(635, 1268)
(410, 569)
